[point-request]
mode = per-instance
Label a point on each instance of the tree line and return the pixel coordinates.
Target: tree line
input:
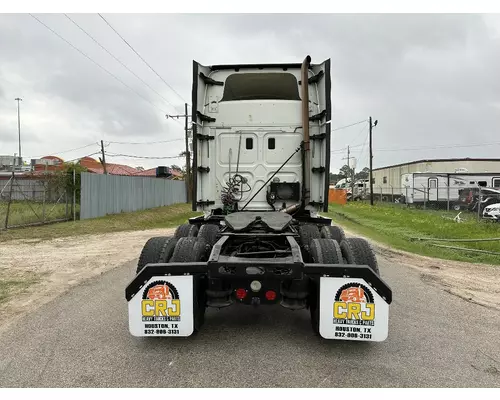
(348, 172)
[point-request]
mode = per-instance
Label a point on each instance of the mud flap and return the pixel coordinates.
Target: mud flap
(164, 306)
(350, 309)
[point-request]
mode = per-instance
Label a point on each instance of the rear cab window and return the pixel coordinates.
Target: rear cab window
(263, 86)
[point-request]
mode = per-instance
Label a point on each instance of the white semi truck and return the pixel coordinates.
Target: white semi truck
(261, 144)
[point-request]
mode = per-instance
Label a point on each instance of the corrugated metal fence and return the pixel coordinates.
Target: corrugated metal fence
(112, 194)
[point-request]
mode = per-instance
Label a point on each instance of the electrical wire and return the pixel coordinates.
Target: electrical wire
(145, 62)
(233, 188)
(142, 157)
(96, 63)
(67, 151)
(438, 146)
(364, 144)
(359, 133)
(119, 61)
(79, 158)
(160, 141)
(348, 126)
(342, 150)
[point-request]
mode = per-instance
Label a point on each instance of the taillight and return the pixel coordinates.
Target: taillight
(270, 295)
(241, 294)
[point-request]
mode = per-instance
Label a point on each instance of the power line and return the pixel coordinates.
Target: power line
(439, 146)
(67, 151)
(79, 158)
(141, 157)
(118, 60)
(360, 132)
(160, 141)
(345, 148)
(348, 126)
(95, 62)
(364, 144)
(145, 62)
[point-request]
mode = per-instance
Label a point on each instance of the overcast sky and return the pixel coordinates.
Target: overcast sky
(430, 80)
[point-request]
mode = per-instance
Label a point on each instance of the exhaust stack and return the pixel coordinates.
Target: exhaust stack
(305, 131)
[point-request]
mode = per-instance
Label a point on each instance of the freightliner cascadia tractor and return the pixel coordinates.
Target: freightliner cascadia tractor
(261, 162)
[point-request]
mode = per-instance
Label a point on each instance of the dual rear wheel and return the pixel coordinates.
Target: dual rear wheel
(188, 244)
(331, 246)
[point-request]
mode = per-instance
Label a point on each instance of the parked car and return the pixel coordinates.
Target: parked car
(492, 212)
(469, 198)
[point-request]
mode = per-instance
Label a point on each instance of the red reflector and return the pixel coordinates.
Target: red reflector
(270, 295)
(241, 294)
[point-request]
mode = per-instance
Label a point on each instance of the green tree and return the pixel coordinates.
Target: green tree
(334, 178)
(363, 174)
(346, 171)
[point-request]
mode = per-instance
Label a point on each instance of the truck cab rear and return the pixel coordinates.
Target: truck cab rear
(261, 144)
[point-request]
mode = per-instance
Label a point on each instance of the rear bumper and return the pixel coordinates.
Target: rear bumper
(267, 270)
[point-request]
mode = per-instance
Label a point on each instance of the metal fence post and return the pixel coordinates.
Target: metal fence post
(479, 199)
(425, 198)
(74, 195)
(10, 198)
(44, 193)
(380, 193)
(406, 197)
(66, 203)
(392, 193)
(448, 196)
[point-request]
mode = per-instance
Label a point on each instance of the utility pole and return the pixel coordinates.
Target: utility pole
(348, 161)
(371, 160)
(186, 152)
(349, 173)
(103, 159)
(18, 99)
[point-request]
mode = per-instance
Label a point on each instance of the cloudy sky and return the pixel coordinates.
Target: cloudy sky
(430, 80)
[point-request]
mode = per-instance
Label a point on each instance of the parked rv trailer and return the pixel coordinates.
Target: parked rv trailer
(439, 189)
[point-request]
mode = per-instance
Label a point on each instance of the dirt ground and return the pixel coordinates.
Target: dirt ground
(476, 283)
(65, 262)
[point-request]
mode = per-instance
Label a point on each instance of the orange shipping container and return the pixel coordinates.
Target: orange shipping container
(337, 196)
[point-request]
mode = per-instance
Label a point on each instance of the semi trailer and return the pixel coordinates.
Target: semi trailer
(439, 189)
(261, 162)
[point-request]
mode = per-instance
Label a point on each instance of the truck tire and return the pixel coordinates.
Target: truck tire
(186, 230)
(325, 251)
(347, 253)
(209, 232)
(189, 249)
(167, 250)
(362, 253)
(155, 250)
(194, 249)
(308, 233)
(333, 232)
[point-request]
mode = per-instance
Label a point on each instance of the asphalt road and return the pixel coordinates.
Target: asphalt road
(81, 339)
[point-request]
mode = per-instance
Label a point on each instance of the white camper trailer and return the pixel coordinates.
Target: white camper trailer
(437, 189)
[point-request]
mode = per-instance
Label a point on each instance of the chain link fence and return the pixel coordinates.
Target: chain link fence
(28, 199)
(431, 196)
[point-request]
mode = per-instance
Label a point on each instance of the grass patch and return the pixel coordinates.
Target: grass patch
(12, 286)
(28, 212)
(395, 226)
(161, 217)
